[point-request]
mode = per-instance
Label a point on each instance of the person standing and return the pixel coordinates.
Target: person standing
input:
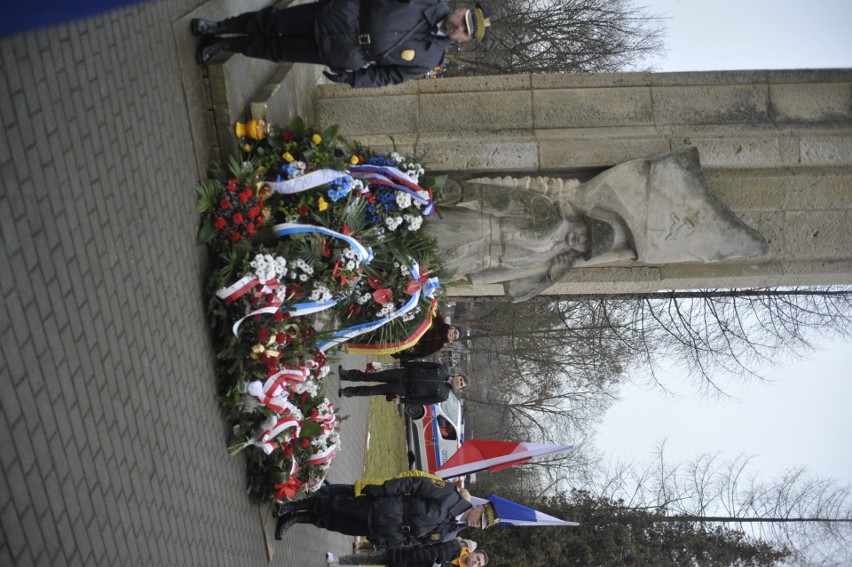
(416, 509)
(415, 382)
(433, 340)
(364, 44)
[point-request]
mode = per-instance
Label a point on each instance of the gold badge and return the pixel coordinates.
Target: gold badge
(435, 537)
(407, 55)
(439, 483)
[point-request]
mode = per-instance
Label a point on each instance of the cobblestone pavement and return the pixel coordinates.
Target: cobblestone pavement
(112, 450)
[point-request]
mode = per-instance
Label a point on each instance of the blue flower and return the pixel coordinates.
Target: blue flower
(340, 187)
(380, 160)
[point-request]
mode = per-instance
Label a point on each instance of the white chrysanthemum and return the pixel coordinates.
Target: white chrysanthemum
(299, 167)
(292, 219)
(393, 222)
(414, 222)
(396, 157)
(281, 293)
(386, 310)
(280, 265)
(303, 277)
(403, 200)
(362, 298)
(350, 253)
(358, 185)
(323, 372)
(320, 293)
(351, 265)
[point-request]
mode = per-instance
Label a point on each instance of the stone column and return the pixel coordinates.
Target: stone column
(775, 145)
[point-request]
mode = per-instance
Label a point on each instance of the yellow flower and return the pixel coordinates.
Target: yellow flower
(247, 147)
(316, 138)
(354, 160)
(287, 157)
(322, 204)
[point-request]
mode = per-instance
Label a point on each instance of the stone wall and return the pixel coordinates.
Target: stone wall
(776, 146)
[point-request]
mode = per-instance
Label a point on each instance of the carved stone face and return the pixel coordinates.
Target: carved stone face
(578, 237)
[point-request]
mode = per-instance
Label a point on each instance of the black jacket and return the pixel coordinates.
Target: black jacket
(425, 555)
(414, 511)
(394, 58)
(425, 382)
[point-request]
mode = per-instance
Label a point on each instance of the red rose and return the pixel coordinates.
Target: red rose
(282, 338)
(252, 212)
(288, 450)
(306, 443)
(220, 223)
(263, 334)
(303, 211)
(278, 316)
(235, 236)
(287, 135)
(237, 219)
(224, 203)
(259, 220)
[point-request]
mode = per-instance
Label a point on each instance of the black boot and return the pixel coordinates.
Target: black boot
(285, 522)
(283, 509)
(202, 27)
(209, 47)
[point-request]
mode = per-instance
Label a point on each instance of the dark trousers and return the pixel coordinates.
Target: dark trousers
(370, 558)
(347, 516)
(393, 382)
(279, 35)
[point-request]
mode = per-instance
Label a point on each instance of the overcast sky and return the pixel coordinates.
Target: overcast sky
(803, 416)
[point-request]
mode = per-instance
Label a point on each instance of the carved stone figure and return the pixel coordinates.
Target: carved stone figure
(528, 233)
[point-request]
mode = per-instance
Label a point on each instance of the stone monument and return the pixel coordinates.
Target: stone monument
(528, 233)
(775, 146)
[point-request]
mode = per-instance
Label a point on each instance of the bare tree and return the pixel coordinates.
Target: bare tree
(812, 517)
(714, 335)
(562, 36)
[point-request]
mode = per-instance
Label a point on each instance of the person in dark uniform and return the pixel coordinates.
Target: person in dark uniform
(415, 508)
(453, 553)
(365, 44)
(439, 334)
(414, 382)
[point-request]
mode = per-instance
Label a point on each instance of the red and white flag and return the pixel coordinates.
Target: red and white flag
(480, 454)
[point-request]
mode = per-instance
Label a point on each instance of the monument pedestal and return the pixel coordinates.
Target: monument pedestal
(776, 147)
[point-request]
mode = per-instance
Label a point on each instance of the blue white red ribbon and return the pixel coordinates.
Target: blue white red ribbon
(245, 284)
(392, 177)
(427, 289)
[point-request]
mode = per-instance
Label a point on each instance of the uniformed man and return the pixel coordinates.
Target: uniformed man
(415, 508)
(414, 382)
(364, 43)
